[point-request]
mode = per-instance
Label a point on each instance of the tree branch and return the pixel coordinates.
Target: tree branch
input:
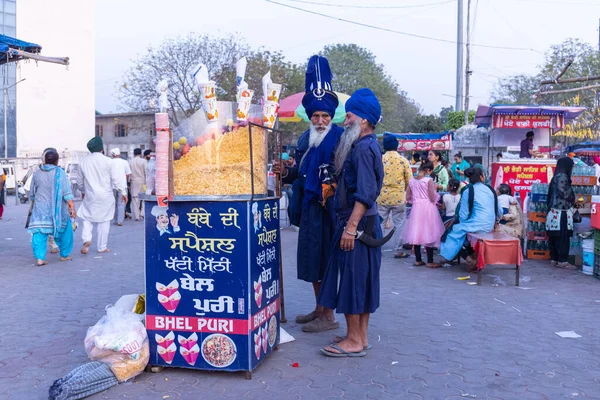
(570, 90)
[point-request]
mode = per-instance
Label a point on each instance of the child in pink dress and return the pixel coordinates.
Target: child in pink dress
(424, 226)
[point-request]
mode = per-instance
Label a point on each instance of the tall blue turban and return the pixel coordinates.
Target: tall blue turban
(319, 92)
(364, 104)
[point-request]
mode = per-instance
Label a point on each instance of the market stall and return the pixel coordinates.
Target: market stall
(508, 125)
(409, 143)
(213, 284)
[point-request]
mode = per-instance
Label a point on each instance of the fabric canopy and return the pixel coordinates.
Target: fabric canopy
(417, 136)
(8, 45)
(485, 114)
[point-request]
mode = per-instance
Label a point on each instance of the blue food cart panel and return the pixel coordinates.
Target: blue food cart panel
(197, 279)
(264, 277)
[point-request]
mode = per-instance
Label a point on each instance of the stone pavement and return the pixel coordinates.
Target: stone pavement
(434, 337)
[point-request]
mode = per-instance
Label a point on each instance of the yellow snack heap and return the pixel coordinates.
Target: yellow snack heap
(221, 166)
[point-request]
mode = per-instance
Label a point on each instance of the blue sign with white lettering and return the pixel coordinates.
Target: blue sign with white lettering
(212, 276)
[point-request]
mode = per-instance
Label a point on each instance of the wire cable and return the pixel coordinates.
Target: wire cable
(399, 32)
(316, 3)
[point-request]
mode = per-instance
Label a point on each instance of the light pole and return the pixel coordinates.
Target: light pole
(5, 89)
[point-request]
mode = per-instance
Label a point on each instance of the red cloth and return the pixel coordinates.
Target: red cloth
(496, 248)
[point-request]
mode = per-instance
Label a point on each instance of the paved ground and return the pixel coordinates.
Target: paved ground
(434, 337)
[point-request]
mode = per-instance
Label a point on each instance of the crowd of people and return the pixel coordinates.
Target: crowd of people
(345, 192)
(103, 183)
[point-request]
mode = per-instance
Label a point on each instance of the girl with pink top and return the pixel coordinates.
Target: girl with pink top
(424, 226)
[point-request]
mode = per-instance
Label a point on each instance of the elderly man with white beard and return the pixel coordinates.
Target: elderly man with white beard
(351, 281)
(311, 207)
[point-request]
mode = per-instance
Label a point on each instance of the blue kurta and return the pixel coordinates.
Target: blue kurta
(358, 270)
(482, 220)
(316, 222)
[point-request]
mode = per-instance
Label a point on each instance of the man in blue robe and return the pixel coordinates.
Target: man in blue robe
(310, 209)
(351, 281)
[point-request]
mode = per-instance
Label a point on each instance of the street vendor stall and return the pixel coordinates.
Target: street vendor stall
(421, 142)
(508, 125)
(212, 238)
(528, 177)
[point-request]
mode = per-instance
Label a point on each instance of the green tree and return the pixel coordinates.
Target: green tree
(444, 113)
(175, 59)
(355, 67)
(516, 89)
(427, 124)
(521, 89)
(456, 119)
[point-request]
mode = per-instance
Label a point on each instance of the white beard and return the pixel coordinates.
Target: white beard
(344, 147)
(317, 137)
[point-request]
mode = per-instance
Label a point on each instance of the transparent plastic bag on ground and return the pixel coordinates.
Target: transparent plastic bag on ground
(119, 339)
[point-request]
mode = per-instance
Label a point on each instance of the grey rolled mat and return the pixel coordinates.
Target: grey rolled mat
(83, 381)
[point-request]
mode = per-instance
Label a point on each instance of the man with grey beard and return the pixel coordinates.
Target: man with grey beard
(311, 206)
(351, 281)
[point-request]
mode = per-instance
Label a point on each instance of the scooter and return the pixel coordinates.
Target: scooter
(22, 193)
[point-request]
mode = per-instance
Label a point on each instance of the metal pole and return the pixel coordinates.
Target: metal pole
(459, 58)
(468, 62)
(5, 128)
(16, 185)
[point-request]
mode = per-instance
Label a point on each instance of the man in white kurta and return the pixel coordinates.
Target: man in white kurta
(123, 172)
(138, 180)
(96, 178)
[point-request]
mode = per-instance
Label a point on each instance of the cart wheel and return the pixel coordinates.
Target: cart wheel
(248, 375)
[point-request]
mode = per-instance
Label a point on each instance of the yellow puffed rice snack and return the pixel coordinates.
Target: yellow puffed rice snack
(221, 166)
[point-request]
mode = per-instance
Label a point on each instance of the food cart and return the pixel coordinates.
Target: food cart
(409, 143)
(508, 125)
(528, 177)
(212, 243)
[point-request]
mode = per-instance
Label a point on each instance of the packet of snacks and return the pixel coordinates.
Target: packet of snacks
(271, 93)
(208, 94)
(244, 95)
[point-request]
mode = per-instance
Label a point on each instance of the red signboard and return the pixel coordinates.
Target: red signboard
(520, 176)
(512, 121)
(443, 143)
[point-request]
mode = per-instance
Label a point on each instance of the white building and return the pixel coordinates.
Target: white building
(55, 104)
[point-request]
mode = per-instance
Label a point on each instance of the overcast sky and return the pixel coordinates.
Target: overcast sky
(425, 69)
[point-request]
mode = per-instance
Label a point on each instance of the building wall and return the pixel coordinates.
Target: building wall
(8, 24)
(55, 105)
(140, 131)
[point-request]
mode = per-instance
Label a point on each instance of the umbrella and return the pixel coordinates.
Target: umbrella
(291, 109)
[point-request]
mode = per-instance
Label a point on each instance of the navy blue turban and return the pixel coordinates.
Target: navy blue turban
(319, 92)
(390, 142)
(364, 104)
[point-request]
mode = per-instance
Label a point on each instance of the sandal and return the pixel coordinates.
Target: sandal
(41, 263)
(338, 339)
(434, 265)
(305, 319)
(342, 352)
(320, 325)
(401, 255)
(419, 263)
(86, 247)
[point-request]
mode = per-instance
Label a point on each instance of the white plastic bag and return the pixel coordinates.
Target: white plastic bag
(120, 340)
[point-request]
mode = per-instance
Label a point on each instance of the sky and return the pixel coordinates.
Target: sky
(424, 68)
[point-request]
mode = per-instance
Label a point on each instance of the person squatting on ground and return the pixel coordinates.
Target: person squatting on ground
(311, 208)
(52, 209)
(96, 179)
(351, 282)
(477, 212)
